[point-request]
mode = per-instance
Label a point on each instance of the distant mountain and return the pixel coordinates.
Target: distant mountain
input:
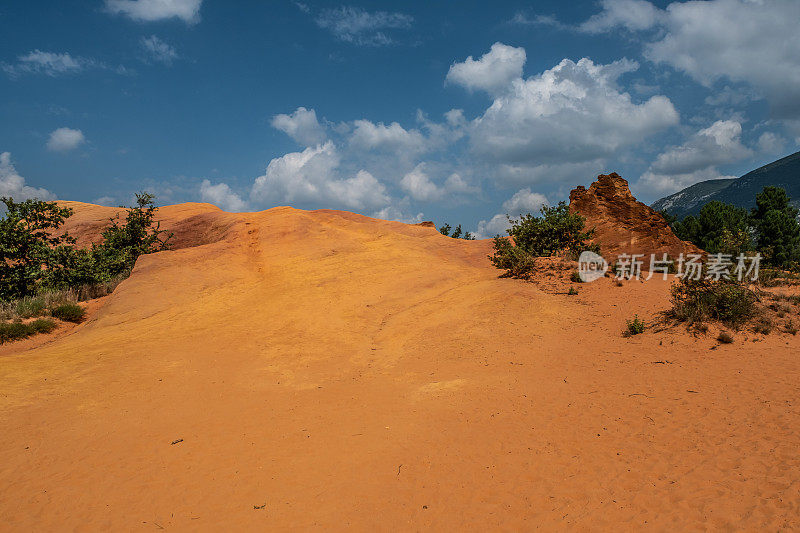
(742, 191)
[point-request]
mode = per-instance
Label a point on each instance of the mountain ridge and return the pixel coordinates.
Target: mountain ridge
(783, 172)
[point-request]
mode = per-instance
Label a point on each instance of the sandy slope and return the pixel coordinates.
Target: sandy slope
(343, 371)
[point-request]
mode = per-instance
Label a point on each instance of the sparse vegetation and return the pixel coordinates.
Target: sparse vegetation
(29, 306)
(634, 326)
(11, 331)
(572, 291)
(575, 277)
(725, 337)
(702, 299)
(774, 277)
(556, 230)
(456, 233)
(763, 325)
(69, 312)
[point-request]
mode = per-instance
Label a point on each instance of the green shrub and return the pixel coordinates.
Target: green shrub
(634, 326)
(725, 301)
(572, 291)
(516, 262)
(68, 312)
(725, 337)
(12, 331)
(42, 325)
(575, 277)
(556, 230)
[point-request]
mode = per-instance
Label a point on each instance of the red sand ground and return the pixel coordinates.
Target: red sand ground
(326, 370)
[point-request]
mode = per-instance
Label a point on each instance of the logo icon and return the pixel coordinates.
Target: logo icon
(591, 266)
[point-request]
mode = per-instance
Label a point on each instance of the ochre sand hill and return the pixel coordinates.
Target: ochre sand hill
(345, 372)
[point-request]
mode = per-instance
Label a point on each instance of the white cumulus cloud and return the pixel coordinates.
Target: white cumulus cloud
(222, 196)
(750, 41)
(523, 202)
(302, 126)
(717, 144)
(313, 176)
(421, 187)
(771, 143)
(634, 15)
(370, 136)
(492, 73)
(697, 158)
(65, 139)
(153, 10)
(573, 113)
(12, 185)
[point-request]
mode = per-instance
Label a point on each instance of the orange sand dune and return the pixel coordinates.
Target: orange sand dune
(327, 370)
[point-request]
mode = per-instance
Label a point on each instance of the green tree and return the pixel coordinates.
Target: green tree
(457, 233)
(28, 239)
(778, 230)
(123, 243)
(718, 228)
(33, 255)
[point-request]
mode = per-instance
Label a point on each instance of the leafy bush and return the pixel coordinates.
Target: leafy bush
(634, 326)
(726, 301)
(572, 291)
(11, 331)
(555, 231)
(516, 262)
(33, 259)
(68, 312)
(42, 325)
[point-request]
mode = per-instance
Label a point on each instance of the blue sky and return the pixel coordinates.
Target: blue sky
(455, 112)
